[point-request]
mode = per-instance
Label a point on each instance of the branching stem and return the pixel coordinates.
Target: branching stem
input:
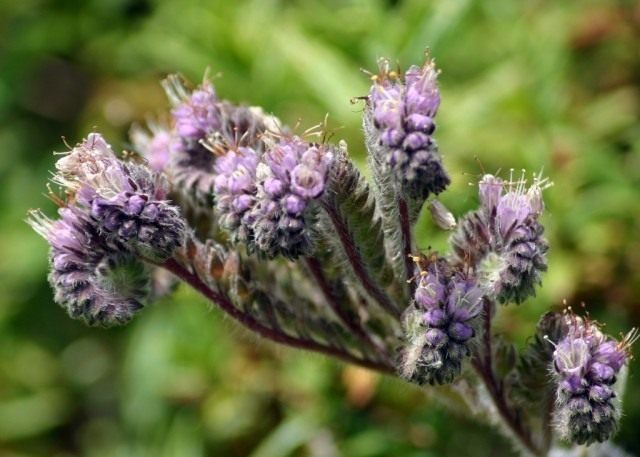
(348, 318)
(355, 260)
(249, 321)
(483, 364)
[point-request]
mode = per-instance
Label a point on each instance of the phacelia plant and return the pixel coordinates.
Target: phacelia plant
(283, 233)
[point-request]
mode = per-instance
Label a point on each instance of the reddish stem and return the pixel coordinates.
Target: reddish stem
(355, 260)
(249, 321)
(483, 364)
(347, 317)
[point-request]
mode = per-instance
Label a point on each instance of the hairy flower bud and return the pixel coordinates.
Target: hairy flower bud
(503, 240)
(203, 123)
(126, 200)
(402, 111)
(585, 365)
(236, 187)
(440, 326)
(91, 281)
(291, 175)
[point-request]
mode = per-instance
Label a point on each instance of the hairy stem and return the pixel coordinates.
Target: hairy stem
(348, 318)
(405, 229)
(483, 365)
(355, 260)
(247, 320)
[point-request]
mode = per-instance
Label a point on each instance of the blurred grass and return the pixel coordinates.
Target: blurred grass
(539, 84)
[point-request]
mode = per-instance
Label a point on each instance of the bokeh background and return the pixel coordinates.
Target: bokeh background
(537, 84)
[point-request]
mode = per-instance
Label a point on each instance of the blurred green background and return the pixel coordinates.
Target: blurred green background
(537, 84)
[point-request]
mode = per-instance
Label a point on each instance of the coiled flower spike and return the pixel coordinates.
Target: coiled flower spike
(401, 110)
(586, 364)
(503, 240)
(91, 281)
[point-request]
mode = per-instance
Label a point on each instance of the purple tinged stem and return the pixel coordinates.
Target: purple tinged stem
(482, 362)
(247, 320)
(355, 260)
(347, 318)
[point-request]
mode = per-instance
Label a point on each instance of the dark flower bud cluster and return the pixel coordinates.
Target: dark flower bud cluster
(403, 109)
(117, 216)
(291, 175)
(441, 325)
(586, 364)
(503, 240)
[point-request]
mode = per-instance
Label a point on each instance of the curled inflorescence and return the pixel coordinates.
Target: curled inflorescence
(586, 364)
(503, 240)
(116, 216)
(402, 109)
(292, 174)
(292, 241)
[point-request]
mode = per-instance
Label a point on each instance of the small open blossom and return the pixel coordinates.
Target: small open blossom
(156, 146)
(586, 364)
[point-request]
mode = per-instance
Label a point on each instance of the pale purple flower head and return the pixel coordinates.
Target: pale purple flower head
(90, 280)
(126, 201)
(439, 330)
(503, 241)
(402, 110)
(199, 114)
(155, 145)
(291, 175)
(586, 364)
(235, 188)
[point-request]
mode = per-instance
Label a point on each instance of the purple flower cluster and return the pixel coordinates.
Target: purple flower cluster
(117, 216)
(126, 201)
(441, 327)
(235, 187)
(586, 364)
(203, 124)
(503, 241)
(290, 176)
(403, 112)
(91, 281)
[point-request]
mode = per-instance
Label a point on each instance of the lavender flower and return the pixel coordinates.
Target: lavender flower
(585, 365)
(235, 187)
(92, 282)
(198, 114)
(503, 241)
(203, 124)
(125, 200)
(156, 146)
(402, 112)
(440, 327)
(291, 175)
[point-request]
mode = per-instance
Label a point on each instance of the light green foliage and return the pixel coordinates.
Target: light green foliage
(544, 84)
